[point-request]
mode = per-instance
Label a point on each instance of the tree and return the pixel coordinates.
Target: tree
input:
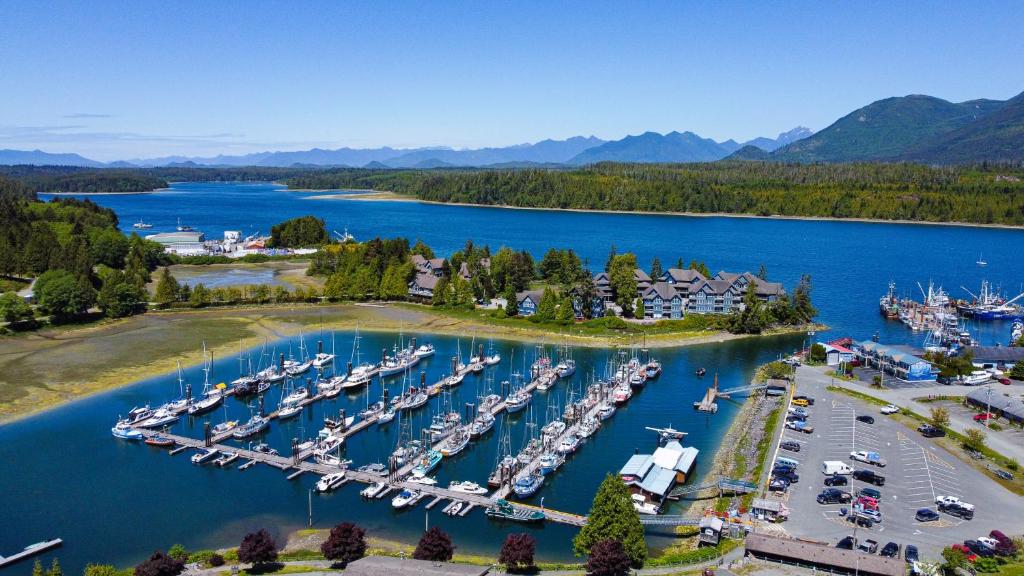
(656, 270)
(422, 249)
(37, 569)
(1017, 372)
(565, 314)
(178, 552)
(939, 416)
(136, 263)
(63, 296)
(623, 280)
(517, 552)
(700, 267)
(611, 259)
(13, 308)
(108, 247)
(346, 543)
(608, 558)
(257, 548)
(167, 289)
(511, 305)
(299, 232)
(547, 306)
(435, 546)
(440, 297)
(613, 516)
(753, 318)
(762, 272)
(159, 564)
(200, 296)
(817, 353)
(118, 298)
(801, 301)
(638, 308)
(974, 439)
(102, 570)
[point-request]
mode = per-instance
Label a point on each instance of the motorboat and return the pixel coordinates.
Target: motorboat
(454, 509)
(226, 459)
(481, 425)
(160, 441)
(404, 498)
(426, 463)
(588, 427)
(550, 461)
(637, 379)
(424, 351)
(223, 427)
(424, 480)
(254, 426)
(124, 431)
(360, 376)
(606, 411)
(528, 485)
(976, 377)
(455, 443)
(622, 394)
(566, 368)
(372, 410)
(546, 381)
(264, 448)
(517, 401)
(467, 487)
(504, 510)
(204, 455)
(138, 414)
(373, 489)
(288, 411)
(553, 429)
(643, 506)
(205, 404)
(323, 359)
(476, 367)
(161, 417)
(330, 387)
(701, 371)
(492, 359)
(330, 481)
(453, 380)
(569, 444)
(487, 403)
(386, 416)
(652, 369)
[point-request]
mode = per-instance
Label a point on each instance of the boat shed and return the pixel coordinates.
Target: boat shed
(820, 556)
(656, 474)
(836, 355)
(895, 361)
(998, 403)
(391, 566)
(995, 356)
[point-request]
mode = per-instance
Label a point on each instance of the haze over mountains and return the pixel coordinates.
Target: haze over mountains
(913, 128)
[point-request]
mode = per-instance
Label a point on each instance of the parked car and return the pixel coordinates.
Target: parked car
(1006, 546)
(861, 520)
(926, 515)
(971, 556)
(872, 513)
(929, 431)
(834, 496)
(778, 485)
(910, 554)
(869, 476)
(988, 542)
(1003, 474)
(873, 458)
(890, 409)
(836, 480)
(798, 411)
(791, 445)
(866, 419)
(952, 500)
(796, 418)
(1004, 380)
(846, 543)
(890, 550)
(865, 503)
(984, 416)
(808, 399)
(870, 493)
(869, 546)
(978, 548)
(958, 510)
(800, 401)
(790, 477)
(799, 426)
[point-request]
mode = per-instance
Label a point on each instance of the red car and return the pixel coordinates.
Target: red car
(1004, 380)
(971, 556)
(984, 416)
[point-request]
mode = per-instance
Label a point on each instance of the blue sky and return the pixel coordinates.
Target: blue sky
(140, 79)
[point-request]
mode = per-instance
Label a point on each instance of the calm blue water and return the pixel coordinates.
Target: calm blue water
(63, 474)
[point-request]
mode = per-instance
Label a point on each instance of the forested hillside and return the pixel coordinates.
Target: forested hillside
(880, 191)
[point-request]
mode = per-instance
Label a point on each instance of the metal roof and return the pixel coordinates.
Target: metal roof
(659, 480)
(819, 554)
(638, 465)
(1011, 354)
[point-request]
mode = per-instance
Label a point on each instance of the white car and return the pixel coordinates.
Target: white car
(890, 409)
(868, 458)
(951, 500)
(987, 542)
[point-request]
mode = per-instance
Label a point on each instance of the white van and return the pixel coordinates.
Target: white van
(830, 467)
(787, 462)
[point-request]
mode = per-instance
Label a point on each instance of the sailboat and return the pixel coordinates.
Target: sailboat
(212, 397)
(446, 421)
(322, 358)
(358, 374)
(142, 225)
(224, 426)
(295, 367)
(519, 398)
(506, 464)
(981, 260)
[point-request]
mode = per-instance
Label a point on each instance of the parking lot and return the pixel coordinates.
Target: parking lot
(916, 472)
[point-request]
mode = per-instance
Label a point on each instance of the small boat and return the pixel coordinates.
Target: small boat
(553, 429)
(226, 459)
(323, 359)
(622, 394)
(481, 425)
(424, 351)
(424, 480)
(204, 455)
(297, 395)
(254, 426)
(140, 225)
(264, 448)
(503, 509)
(517, 401)
(124, 431)
(606, 411)
(981, 261)
(566, 368)
(528, 485)
(184, 227)
(288, 411)
(455, 443)
(387, 416)
(138, 414)
(161, 417)
(453, 380)
(160, 441)
(373, 489)
(476, 367)
(643, 506)
(652, 369)
(701, 371)
(492, 359)
(330, 481)
(224, 427)
(569, 444)
(467, 487)
(427, 463)
(637, 379)
(588, 427)
(404, 498)
(454, 509)
(550, 461)
(204, 405)
(377, 469)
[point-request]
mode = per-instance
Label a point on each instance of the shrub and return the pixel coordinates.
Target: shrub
(258, 548)
(159, 564)
(939, 416)
(435, 545)
(346, 543)
(517, 552)
(178, 551)
(608, 558)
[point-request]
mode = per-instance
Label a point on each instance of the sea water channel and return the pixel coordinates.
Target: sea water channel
(115, 502)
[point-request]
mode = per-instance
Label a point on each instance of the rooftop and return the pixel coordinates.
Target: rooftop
(824, 555)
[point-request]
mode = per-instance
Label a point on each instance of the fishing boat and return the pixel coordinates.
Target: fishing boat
(161, 417)
(553, 428)
(503, 471)
(481, 425)
(330, 481)
(528, 485)
(653, 369)
(504, 510)
(638, 379)
(160, 441)
(546, 381)
(140, 225)
(204, 455)
(566, 368)
(124, 431)
(404, 498)
(226, 459)
(427, 463)
(569, 444)
(622, 394)
(424, 351)
(254, 426)
(606, 411)
(488, 402)
(444, 425)
(467, 487)
(588, 427)
(455, 443)
(550, 461)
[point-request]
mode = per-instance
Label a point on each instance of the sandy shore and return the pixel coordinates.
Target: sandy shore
(44, 369)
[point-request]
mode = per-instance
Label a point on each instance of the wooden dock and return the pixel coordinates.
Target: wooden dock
(29, 551)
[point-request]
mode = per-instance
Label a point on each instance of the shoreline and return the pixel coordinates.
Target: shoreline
(251, 325)
(396, 197)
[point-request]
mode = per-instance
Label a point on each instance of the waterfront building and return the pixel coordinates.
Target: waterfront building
(1002, 357)
(662, 301)
(655, 475)
(528, 301)
(836, 354)
(998, 403)
(185, 243)
(895, 361)
(422, 286)
(819, 556)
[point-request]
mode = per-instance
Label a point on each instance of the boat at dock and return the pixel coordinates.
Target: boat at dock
(254, 426)
(427, 463)
(161, 417)
(372, 490)
(289, 411)
(424, 351)
(124, 431)
(456, 442)
(550, 461)
(205, 455)
(467, 487)
(481, 425)
(424, 480)
(226, 459)
(159, 441)
(141, 225)
(404, 498)
(569, 444)
(386, 416)
(566, 368)
(588, 427)
(528, 485)
(517, 400)
(330, 481)
(606, 411)
(653, 369)
(504, 510)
